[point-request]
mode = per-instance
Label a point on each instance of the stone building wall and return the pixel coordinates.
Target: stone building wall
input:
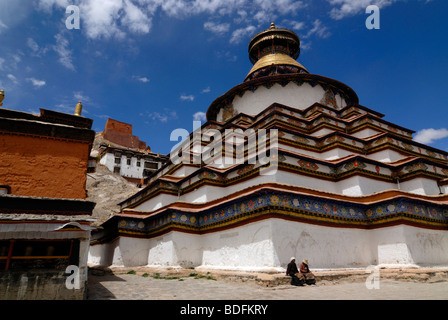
(38, 285)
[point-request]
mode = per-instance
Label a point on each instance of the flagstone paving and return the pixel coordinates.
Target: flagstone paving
(111, 286)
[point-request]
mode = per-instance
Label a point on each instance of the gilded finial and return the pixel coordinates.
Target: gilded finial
(2, 96)
(272, 25)
(78, 109)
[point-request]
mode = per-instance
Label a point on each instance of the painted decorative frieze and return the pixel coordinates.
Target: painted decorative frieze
(329, 99)
(294, 206)
(228, 112)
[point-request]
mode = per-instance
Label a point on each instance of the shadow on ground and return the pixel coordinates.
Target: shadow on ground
(95, 290)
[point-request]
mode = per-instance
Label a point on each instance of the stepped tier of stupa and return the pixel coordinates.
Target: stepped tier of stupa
(337, 184)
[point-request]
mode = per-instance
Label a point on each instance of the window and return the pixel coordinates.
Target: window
(117, 160)
(128, 161)
(138, 163)
(4, 189)
(38, 254)
(151, 165)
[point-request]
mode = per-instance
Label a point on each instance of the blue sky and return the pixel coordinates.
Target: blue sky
(159, 64)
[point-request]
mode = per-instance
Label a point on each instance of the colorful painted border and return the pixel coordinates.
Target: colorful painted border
(309, 209)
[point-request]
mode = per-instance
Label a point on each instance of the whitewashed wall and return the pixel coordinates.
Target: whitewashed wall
(126, 170)
(108, 160)
(352, 186)
(252, 103)
(268, 245)
(421, 186)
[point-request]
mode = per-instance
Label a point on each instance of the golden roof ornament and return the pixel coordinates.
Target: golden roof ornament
(2, 96)
(272, 48)
(78, 109)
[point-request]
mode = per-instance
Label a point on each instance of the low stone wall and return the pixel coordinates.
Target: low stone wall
(38, 285)
(279, 279)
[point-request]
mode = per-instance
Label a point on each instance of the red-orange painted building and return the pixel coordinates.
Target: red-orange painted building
(45, 155)
(121, 133)
(44, 217)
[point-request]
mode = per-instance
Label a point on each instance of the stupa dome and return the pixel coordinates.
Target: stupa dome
(276, 77)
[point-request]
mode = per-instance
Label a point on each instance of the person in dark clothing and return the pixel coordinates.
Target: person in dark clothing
(306, 273)
(292, 271)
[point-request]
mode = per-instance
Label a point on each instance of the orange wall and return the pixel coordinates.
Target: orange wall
(118, 126)
(43, 167)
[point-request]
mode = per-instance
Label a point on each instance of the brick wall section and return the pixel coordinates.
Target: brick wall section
(121, 134)
(118, 126)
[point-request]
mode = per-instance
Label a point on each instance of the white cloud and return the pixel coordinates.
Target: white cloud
(35, 49)
(239, 34)
(108, 18)
(16, 58)
(206, 90)
(65, 54)
(37, 83)
(217, 28)
(347, 8)
(32, 44)
(164, 116)
(305, 45)
(266, 11)
(1, 63)
(2, 26)
(238, 18)
(80, 96)
(101, 18)
(47, 5)
(282, 6)
(295, 25)
(184, 8)
(135, 19)
(12, 78)
(200, 116)
(141, 79)
(117, 18)
(427, 136)
(264, 16)
(318, 30)
(184, 97)
(241, 16)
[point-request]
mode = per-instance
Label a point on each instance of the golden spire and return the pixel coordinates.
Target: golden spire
(78, 109)
(273, 48)
(2, 96)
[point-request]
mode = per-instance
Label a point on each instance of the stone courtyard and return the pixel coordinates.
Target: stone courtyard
(189, 284)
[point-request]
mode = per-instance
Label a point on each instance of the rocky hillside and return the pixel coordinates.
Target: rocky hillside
(106, 188)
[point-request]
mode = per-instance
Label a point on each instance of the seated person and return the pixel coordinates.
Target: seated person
(292, 271)
(306, 273)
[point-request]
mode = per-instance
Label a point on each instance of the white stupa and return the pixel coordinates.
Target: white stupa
(346, 189)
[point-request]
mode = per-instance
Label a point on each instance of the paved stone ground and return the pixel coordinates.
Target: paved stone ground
(187, 285)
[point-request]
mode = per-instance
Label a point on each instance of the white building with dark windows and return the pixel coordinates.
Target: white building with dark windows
(133, 165)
